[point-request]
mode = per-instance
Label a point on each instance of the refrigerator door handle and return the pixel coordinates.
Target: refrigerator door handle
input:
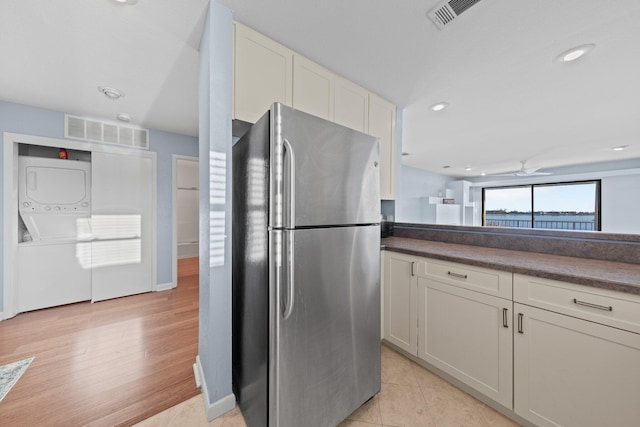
(289, 274)
(289, 183)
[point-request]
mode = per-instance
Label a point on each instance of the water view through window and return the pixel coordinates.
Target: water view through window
(560, 206)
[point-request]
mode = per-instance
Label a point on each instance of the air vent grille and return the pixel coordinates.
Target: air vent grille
(99, 131)
(446, 11)
(460, 6)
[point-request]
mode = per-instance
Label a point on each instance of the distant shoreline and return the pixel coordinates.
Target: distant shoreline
(552, 213)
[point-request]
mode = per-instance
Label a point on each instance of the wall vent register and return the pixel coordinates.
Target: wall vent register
(102, 131)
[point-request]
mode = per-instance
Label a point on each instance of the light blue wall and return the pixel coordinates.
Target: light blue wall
(29, 120)
(167, 144)
(214, 347)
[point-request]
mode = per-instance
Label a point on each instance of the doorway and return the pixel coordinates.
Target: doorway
(186, 221)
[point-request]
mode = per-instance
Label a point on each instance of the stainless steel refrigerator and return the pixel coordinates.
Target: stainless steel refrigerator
(306, 270)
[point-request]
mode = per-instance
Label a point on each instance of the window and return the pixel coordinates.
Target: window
(559, 206)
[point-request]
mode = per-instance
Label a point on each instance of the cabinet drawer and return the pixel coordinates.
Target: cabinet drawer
(612, 308)
(485, 280)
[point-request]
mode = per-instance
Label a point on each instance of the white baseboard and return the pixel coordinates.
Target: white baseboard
(215, 409)
(164, 287)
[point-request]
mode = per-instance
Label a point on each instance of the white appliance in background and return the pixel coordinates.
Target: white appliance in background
(54, 202)
(90, 227)
(54, 198)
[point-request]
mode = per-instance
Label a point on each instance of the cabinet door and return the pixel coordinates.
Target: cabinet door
(122, 225)
(312, 88)
(382, 123)
(468, 335)
(400, 302)
(572, 372)
(351, 105)
(53, 275)
(262, 74)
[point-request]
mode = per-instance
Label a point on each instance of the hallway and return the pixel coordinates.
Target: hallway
(112, 363)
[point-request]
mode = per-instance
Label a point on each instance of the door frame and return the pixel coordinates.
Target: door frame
(174, 211)
(10, 207)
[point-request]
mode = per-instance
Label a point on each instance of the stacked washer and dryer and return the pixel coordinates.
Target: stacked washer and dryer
(54, 203)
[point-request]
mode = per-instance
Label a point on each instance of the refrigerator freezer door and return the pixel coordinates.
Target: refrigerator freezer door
(322, 174)
(326, 350)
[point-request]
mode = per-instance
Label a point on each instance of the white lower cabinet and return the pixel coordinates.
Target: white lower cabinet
(468, 335)
(400, 301)
(571, 366)
(556, 353)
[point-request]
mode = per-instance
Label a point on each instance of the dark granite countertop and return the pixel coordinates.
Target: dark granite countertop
(616, 276)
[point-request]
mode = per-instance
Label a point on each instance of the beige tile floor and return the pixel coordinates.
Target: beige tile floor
(411, 396)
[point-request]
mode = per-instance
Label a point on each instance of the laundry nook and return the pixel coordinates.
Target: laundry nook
(84, 223)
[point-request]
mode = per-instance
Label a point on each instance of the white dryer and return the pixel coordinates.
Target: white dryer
(54, 198)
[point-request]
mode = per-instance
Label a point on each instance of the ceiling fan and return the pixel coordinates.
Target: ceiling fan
(523, 171)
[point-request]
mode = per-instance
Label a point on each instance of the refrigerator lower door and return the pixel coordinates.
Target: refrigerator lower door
(326, 354)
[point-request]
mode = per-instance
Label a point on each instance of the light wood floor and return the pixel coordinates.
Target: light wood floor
(112, 363)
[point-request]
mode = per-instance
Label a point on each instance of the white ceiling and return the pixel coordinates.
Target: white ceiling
(495, 65)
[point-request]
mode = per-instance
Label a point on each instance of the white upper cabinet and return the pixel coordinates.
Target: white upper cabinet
(382, 123)
(262, 74)
(312, 88)
(351, 105)
(266, 72)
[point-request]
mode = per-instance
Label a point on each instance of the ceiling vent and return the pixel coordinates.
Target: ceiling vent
(446, 11)
(100, 131)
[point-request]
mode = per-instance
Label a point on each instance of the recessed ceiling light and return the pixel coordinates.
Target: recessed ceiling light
(129, 2)
(576, 52)
(468, 168)
(619, 148)
(483, 173)
(439, 106)
(110, 92)
(123, 117)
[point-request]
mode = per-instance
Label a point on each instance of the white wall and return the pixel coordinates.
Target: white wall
(414, 184)
(620, 200)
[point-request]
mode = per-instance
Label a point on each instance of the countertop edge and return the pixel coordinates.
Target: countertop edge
(599, 274)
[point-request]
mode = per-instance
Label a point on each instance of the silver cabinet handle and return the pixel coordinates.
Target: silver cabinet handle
(520, 317)
(413, 268)
(505, 319)
(458, 275)
(588, 304)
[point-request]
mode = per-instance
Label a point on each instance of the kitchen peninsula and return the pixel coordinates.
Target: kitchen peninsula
(541, 325)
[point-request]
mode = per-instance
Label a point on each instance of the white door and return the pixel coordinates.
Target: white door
(400, 301)
(262, 74)
(468, 335)
(572, 372)
(122, 225)
(312, 88)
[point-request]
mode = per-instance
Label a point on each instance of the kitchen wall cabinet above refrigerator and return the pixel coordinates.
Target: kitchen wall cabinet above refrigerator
(266, 72)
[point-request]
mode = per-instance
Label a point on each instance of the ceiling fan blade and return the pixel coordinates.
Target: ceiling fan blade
(525, 173)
